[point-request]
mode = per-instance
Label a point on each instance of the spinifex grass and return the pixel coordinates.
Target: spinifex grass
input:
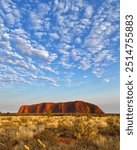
(60, 132)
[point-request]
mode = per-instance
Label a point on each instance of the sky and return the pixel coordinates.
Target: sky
(59, 50)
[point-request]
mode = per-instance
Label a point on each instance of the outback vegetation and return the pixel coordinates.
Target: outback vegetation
(66, 132)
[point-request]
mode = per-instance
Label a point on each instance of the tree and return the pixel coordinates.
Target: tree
(87, 109)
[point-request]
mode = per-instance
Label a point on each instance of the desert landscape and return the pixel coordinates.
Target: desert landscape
(60, 131)
(60, 74)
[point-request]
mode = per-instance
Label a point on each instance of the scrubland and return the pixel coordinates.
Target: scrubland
(85, 132)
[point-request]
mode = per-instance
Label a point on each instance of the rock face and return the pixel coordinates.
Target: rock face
(61, 107)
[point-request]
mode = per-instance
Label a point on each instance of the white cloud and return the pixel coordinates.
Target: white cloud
(5, 45)
(85, 64)
(20, 63)
(100, 56)
(116, 38)
(26, 47)
(98, 72)
(66, 35)
(43, 9)
(54, 36)
(8, 69)
(48, 68)
(51, 80)
(39, 34)
(88, 11)
(13, 80)
(107, 80)
(41, 53)
(76, 55)
(33, 76)
(35, 20)
(64, 52)
(85, 22)
(95, 44)
(85, 76)
(6, 36)
(78, 40)
(12, 55)
(10, 19)
(103, 27)
(52, 57)
(64, 62)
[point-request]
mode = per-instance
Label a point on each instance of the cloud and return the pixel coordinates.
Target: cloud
(6, 36)
(107, 80)
(85, 76)
(10, 18)
(88, 11)
(52, 57)
(101, 56)
(13, 80)
(51, 80)
(35, 21)
(98, 72)
(41, 53)
(64, 62)
(85, 64)
(48, 68)
(10, 54)
(33, 76)
(54, 36)
(103, 26)
(5, 44)
(27, 47)
(8, 69)
(11, 62)
(76, 55)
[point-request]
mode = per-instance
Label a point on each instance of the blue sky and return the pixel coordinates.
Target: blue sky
(59, 50)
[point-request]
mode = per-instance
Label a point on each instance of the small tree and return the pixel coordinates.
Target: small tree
(8, 113)
(87, 109)
(49, 112)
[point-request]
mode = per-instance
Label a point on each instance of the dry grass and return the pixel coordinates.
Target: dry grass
(60, 132)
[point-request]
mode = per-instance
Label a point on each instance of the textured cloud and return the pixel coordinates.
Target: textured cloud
(106, 80)
(47, 68)
(51, 80)
(41, 39)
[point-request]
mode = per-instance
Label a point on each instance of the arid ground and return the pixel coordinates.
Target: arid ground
(66, 132)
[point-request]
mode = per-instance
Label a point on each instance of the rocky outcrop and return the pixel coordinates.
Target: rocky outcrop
(61, 107)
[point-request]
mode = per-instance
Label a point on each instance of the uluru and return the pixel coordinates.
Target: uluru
(61, 107)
